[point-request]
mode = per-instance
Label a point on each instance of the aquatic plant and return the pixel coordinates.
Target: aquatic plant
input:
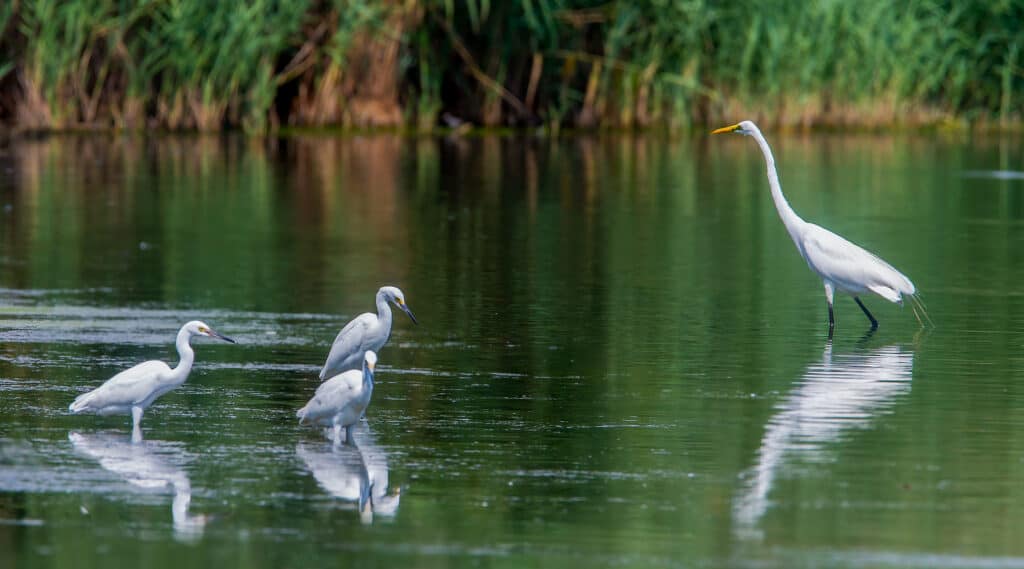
(208, 65)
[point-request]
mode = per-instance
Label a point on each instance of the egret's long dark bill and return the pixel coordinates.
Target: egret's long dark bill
(725, 129)
(409, 312)
(222, 337)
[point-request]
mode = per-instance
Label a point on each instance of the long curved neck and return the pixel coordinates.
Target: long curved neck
(367, 377)
(383, 311)
(789, 217)
(180, 372)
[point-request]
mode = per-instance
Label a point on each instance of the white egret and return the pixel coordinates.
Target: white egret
(367, 331)
(340, 401)
(134, 389)
(842, 265)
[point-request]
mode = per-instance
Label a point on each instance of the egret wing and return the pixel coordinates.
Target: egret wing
(332, 396)
(849, 266)
(349, 342)
(126, 388)
(347, 381)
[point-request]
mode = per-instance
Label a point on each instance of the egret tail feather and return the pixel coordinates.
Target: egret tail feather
(81, 403)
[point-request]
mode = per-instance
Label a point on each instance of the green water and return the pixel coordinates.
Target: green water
(621, 359)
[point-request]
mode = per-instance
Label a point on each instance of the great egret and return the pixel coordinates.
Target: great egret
(367, 331)
(340, 401)
(134, 389)
(842, 265)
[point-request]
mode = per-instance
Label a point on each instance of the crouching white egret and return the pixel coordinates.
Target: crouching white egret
(342, 400)
(842, 265)
(134, 389)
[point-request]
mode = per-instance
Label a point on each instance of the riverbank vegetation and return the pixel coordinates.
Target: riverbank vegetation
(264, 64)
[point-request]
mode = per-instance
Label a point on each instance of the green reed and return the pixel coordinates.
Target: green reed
(208, 65)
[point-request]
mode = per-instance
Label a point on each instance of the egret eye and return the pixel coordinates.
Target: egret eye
(399, 301)
(203, 330)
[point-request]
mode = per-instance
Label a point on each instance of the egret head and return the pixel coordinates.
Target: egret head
(198, 328)
(370, 360)
(395, 295)
(745, 127)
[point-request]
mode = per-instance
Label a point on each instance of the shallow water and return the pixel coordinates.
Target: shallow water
(621, 359)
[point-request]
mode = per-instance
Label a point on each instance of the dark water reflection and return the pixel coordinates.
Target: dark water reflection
(621, 359)
(354, 473)
(841, 393)
(141, 465)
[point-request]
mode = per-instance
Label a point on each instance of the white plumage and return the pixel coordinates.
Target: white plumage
(850, 268)
(136, 386)
(135, 389)
(341, 400)
(843, 266)
(365, 332)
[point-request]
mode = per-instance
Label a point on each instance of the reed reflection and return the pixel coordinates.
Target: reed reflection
(357, 474)
(840, 393)
(148, 465)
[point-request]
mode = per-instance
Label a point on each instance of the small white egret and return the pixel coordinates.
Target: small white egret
(134, 389)
(842, 265)
(367, 331)
(342, 400)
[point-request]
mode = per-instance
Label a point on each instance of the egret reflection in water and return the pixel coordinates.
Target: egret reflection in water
(838, 394)
(142, 466)
(357, 474)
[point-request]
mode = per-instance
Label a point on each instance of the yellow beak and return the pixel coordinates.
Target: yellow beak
(725, 129)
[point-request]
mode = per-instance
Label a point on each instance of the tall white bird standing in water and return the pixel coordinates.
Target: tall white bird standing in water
(365, 332)
(842, 266)
(134, 389)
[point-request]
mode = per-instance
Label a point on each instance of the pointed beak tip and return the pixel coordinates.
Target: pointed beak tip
(408, 311)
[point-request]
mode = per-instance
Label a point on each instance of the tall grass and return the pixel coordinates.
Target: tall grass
(213, 63)
(209, 65)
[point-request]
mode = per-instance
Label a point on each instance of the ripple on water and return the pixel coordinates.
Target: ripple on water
(26, 317)
(868, 558)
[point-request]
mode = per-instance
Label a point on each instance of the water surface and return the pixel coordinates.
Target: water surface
(621, 360)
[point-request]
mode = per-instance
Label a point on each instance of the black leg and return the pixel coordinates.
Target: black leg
(874, 323)
(831, 321)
